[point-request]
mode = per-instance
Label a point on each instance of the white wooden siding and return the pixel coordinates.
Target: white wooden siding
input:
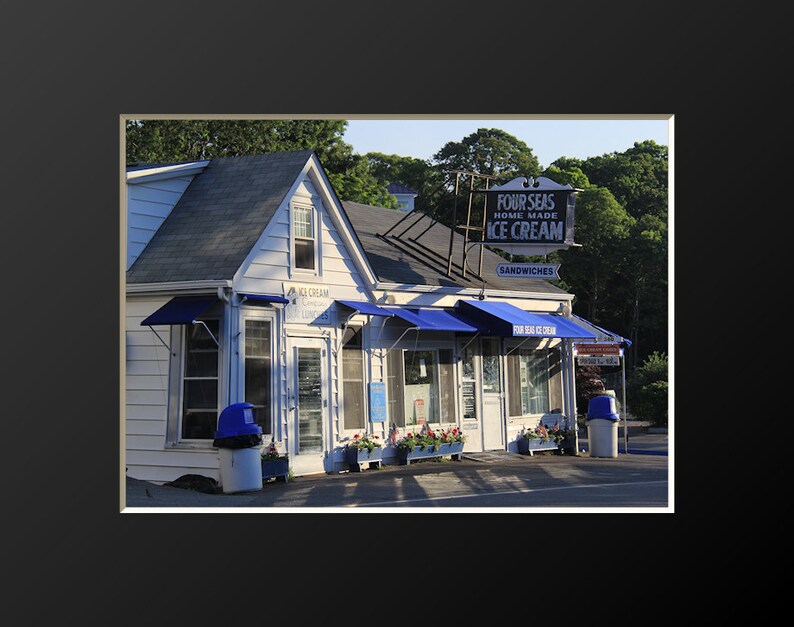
(269, 267)
(148, 205)
(146, 407)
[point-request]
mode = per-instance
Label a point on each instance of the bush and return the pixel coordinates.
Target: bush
(588, 385)
(647, 389)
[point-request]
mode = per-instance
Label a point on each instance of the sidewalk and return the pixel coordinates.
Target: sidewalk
(496, 479)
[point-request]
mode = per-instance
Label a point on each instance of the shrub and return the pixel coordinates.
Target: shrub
(647, 389)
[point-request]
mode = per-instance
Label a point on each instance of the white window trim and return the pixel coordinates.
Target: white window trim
(270, 316)
(176, 388)
(294, 271)
(434, 348)
(537, 416)
(344, 430)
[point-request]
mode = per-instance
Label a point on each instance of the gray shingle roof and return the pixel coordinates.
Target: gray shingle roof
(399, 188)
(421, 258)
(219, 218)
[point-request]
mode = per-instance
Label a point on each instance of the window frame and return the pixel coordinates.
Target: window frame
(263, 315)
(554, 392)
(314, 216)
(176, 384)
(344, 429)
(450, 382)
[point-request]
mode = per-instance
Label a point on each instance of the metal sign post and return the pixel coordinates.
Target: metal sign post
(625, 417)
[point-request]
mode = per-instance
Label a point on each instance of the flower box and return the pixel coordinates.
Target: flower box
(277, 469)
(454, 449)
(357, 456)
(529, 445)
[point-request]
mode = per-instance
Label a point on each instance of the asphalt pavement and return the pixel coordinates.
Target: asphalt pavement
(497, 481)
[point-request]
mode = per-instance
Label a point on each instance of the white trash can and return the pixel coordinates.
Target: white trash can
(603, 437)
(602, 426)
(237, 439)
(241, 469)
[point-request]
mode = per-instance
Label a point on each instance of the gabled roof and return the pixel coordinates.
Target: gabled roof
(419, 256)
(399, 188)
(219, 218)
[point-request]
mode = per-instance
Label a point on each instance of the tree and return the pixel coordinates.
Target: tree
(163, 141)
(489, 151)
(648, 389)
(602, 226)
(417, 174)
(637, 177)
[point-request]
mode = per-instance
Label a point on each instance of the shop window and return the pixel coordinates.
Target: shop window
(258, 369)
(354, 416)
(303, 234)
(421, 387)
(534, 382)
(200, 382)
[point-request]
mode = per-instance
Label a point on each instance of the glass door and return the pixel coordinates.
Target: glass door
(308, 403)
(491, 394)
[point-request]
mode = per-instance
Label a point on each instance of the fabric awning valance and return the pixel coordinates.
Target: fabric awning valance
(435, 319)
(507, 320)
(180, 310)
(264, 298)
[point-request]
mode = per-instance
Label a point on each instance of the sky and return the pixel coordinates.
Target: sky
(549, 139)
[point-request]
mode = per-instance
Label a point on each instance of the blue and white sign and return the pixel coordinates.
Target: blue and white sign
(528, 270)
(377, 401)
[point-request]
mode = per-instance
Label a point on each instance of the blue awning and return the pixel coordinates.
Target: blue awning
(508, 320)
(366, 308)
(435, 319)
(602, 335)
(180, 311)
(264, 298)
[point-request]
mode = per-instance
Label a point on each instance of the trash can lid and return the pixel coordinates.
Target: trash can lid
(602, 407)
(237, 419)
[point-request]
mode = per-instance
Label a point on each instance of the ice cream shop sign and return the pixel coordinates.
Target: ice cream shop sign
(534, 215)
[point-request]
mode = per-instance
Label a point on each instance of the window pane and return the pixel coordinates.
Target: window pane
(421, 387)
(200, 384)
(353, 378)
(201, 394)
(491, 381)
(354, 405)
(302, 222)
(515, 385)
(534, 382)
(394, 383)
(310, 430)
(257, 371)
(555, 381)
(199, 425)
(199, 339)
(446, 386)
(304, 254)
(201, 363)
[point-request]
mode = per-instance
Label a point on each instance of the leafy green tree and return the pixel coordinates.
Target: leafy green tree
(417, 174)
(638, 177)
(489, 151)
(602, 227)
(647, 389)
(163, 141)
(572, 176)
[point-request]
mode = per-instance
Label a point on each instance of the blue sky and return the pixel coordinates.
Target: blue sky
(549, 138)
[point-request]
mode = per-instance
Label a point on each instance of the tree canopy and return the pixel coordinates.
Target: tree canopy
(618, 275)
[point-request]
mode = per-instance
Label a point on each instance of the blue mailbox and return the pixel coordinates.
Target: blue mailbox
(236, 420)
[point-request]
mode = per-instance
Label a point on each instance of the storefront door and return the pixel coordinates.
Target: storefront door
(493, 437)
(307, 403)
